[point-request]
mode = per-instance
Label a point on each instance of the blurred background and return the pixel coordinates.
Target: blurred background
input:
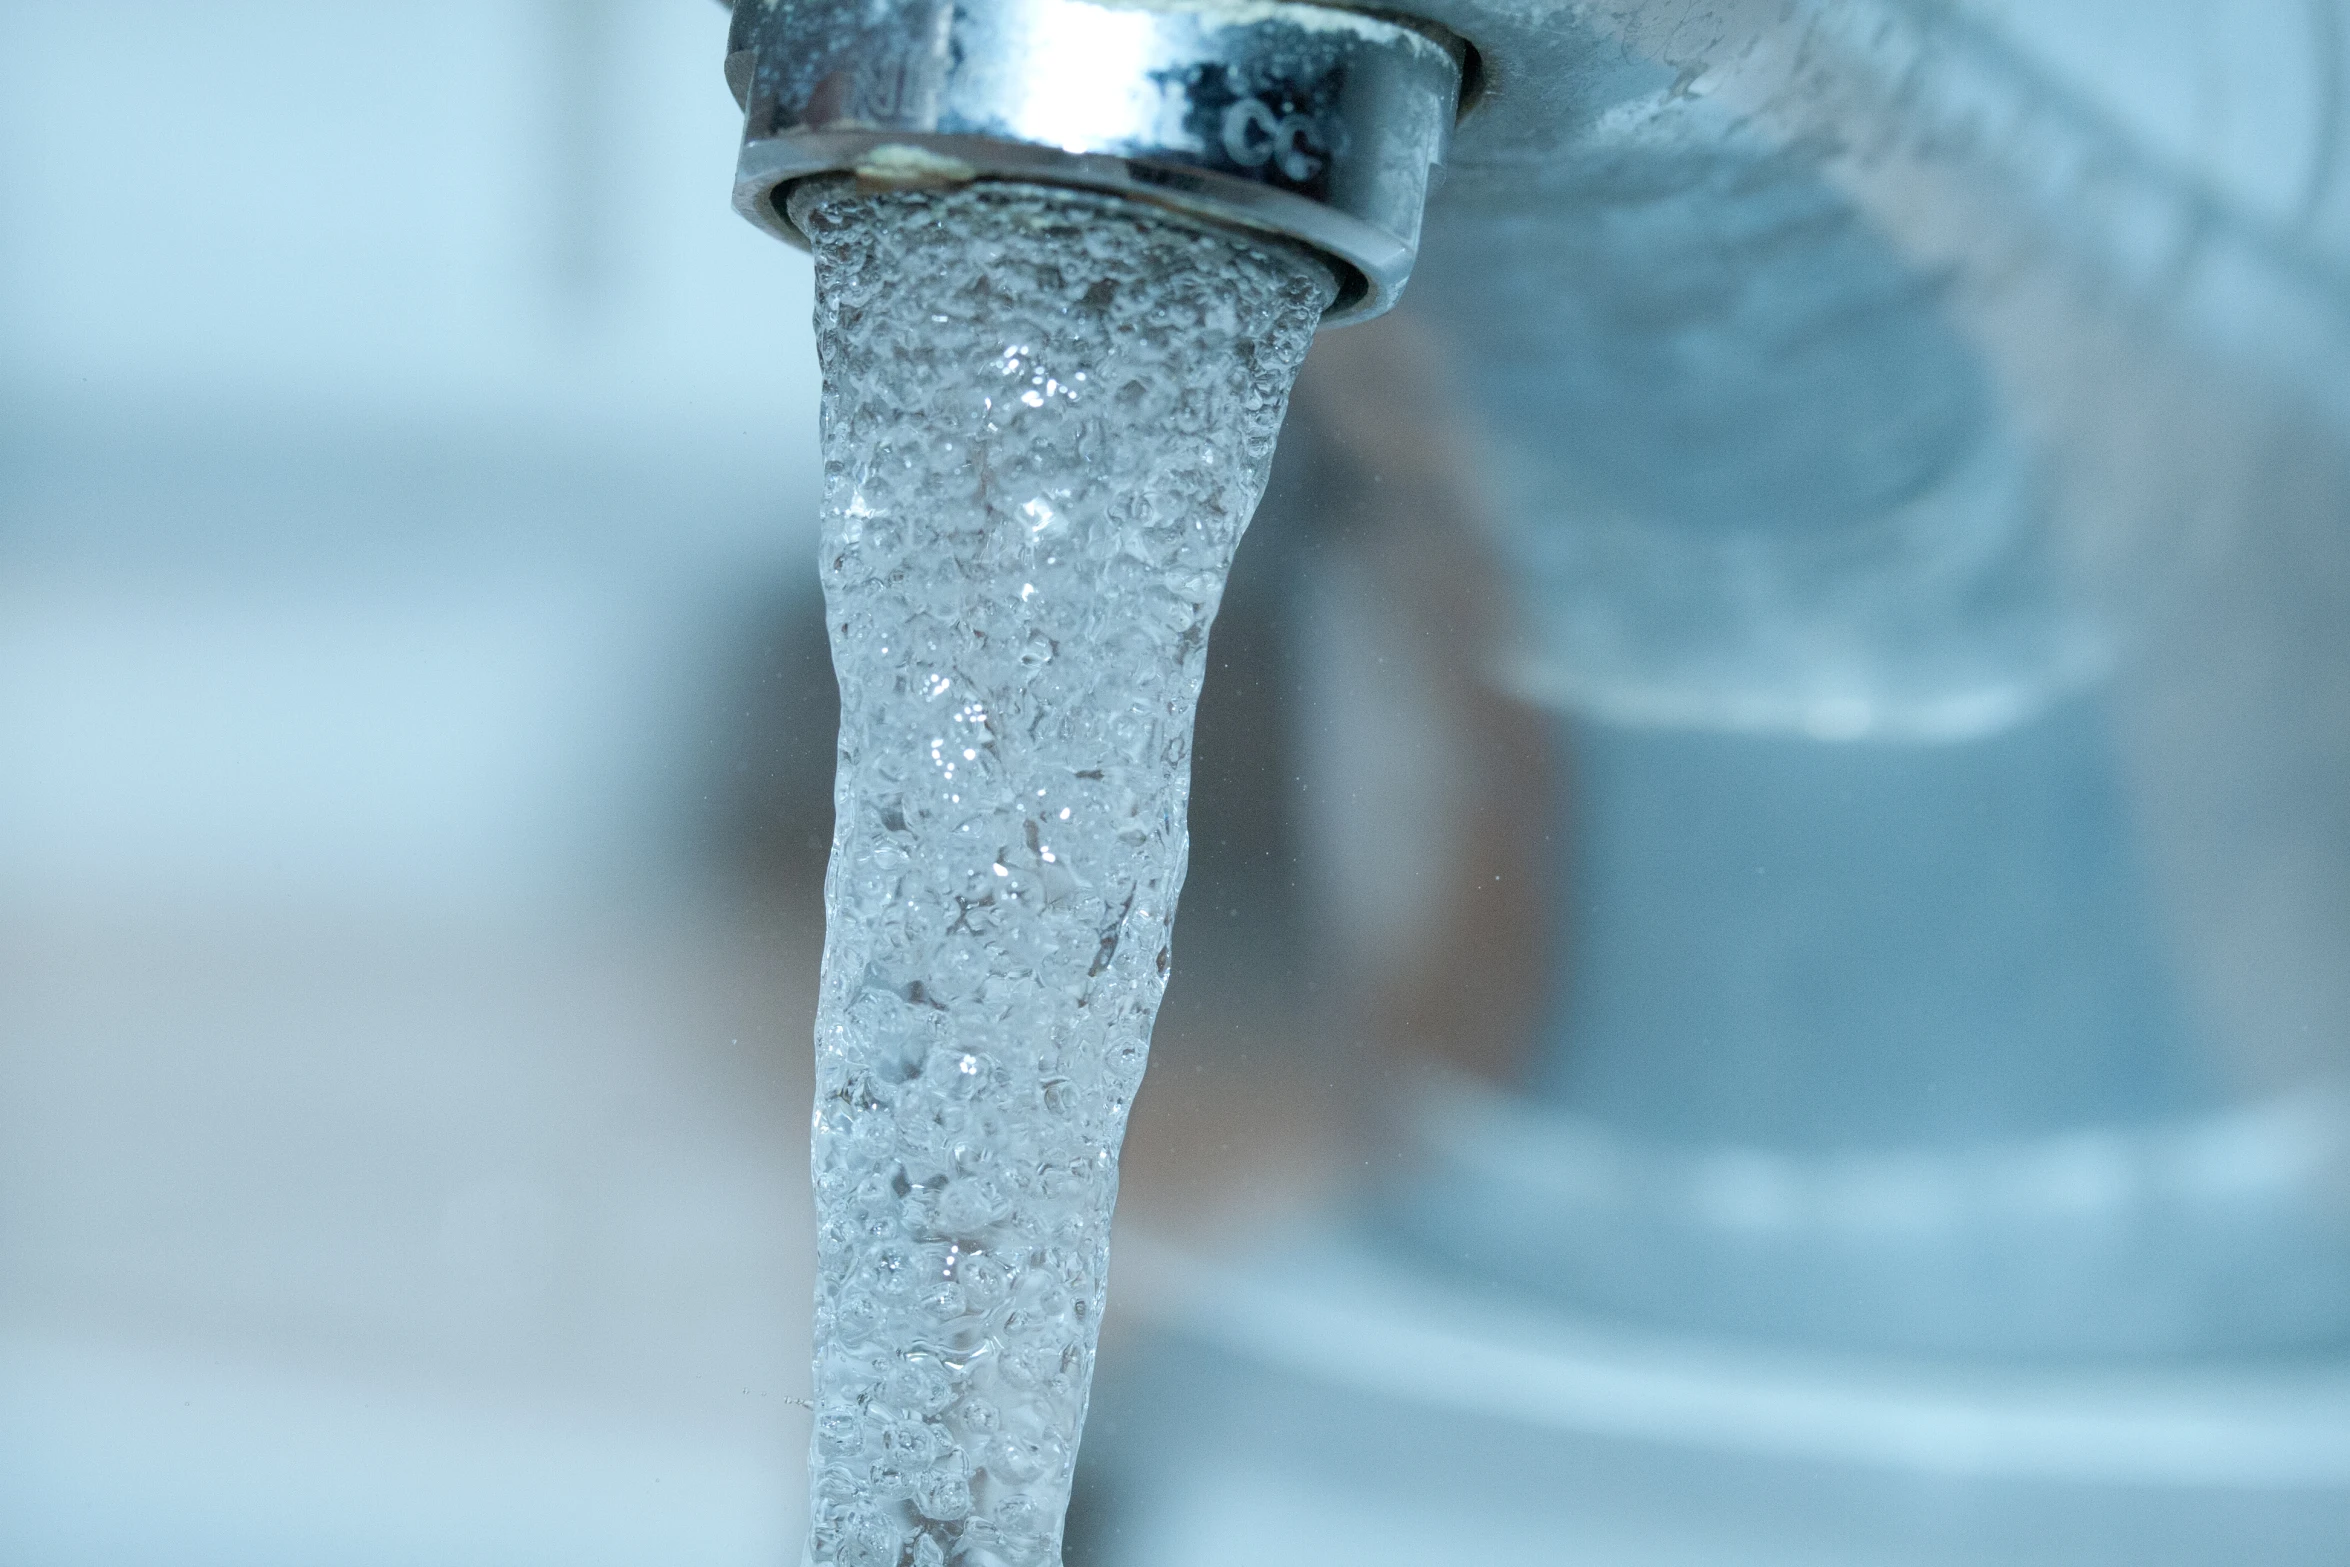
(406, 502)
(1686, 1047)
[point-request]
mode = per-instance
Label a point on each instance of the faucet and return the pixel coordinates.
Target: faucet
(1317, 124)
(1827, 356)
(1885, 449)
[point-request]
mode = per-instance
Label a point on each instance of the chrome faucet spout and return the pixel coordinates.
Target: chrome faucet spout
(1317, 124)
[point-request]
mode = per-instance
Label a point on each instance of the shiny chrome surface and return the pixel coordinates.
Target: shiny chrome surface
(1848, 386)
(1317, 124)
(1843, 372)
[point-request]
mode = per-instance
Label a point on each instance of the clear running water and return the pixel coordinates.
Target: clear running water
(1047, 419)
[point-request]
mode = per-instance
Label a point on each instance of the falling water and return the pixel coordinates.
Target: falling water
(1047, 419)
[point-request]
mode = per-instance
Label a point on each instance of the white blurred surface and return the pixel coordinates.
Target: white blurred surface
(2244, 95)
(401, 1118)
(333, 1234)
(510, 209)
(114, 1456)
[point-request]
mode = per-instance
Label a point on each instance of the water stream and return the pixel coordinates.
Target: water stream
(1047, 419)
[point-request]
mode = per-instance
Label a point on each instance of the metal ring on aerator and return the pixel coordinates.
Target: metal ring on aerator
(1317, 124)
